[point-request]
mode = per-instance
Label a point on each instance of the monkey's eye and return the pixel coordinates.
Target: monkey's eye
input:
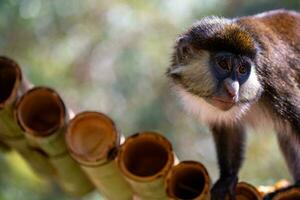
(224, 64)
(242, 69)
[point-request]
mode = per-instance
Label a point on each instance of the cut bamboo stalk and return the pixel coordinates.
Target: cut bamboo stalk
(281, 184)
(291, 194)
(12, 85)
(93, 141)
(4, 148)
(36, 158)
(188, 180)
(42, 114)
(245, 191)
(10, 81)
(145, 159)
(263, 190)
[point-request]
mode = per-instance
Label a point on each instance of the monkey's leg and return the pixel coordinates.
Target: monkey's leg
(289, 145)
(229, 143)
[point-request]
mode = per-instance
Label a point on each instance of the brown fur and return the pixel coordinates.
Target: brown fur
(278, 63)
(272, 41)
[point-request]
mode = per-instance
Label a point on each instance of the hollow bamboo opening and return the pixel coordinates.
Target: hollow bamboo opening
(145, 156)
(10, 79)
(41, 111)
(92, 137)
(245, 191)
(188, 180)
(292, 194)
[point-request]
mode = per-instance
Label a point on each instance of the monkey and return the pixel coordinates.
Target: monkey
(237, 73)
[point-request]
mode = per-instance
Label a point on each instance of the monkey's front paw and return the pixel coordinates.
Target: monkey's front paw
(224, 187)
(285, 191)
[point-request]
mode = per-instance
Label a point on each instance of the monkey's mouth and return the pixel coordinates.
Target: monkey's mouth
(222, 103)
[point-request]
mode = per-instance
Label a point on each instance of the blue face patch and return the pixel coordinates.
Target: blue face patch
(225, 65)
(243, 69)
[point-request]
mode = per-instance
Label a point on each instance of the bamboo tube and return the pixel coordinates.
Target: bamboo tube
(245, 191)
(263, 190)
(4, 147)
(42, 115)
(188, 180)
(291, 194)
(145, 159)
(281, 184)
(12, 85)
(93, 141)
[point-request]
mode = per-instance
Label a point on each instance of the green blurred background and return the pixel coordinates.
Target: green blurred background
(110, 56)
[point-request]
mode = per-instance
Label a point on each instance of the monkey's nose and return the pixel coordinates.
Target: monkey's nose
(232, 88)
(230, 92)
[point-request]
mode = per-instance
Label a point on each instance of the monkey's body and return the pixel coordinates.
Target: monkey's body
(244, 71)
(279, 34)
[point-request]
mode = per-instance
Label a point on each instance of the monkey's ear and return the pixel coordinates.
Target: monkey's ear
(175, 72)
(184, 49)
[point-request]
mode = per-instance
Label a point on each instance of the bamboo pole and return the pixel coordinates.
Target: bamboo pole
(245, 191)
(188, 180)
(263, 190)
(42, 115)
(291, 194)
(12, 86)
(4, 148)
(93, 141)
(281, 184)
(287, 194)
(145, 159)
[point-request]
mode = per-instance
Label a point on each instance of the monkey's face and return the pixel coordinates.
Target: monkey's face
(231, 74)
(222, 79)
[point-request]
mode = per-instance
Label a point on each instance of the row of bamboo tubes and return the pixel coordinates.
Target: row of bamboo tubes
(85, 151)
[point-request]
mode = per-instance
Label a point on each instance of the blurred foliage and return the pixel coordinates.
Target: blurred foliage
(110, 56)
